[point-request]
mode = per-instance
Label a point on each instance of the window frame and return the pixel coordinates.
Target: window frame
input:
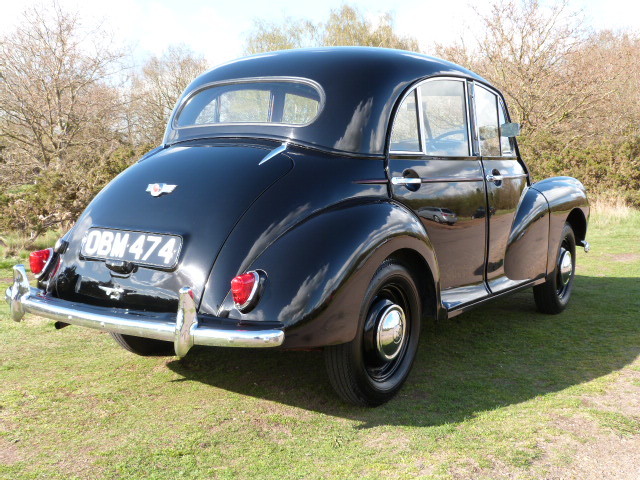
(416, 90)
(512, 141)
(475, 120)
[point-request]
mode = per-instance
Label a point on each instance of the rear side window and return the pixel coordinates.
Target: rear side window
(444, 119)
(404, 135)
(279, 102)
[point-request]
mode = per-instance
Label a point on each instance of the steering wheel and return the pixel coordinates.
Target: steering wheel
(448, 134)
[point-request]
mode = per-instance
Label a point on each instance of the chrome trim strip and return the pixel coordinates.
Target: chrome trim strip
(415, 181)
(184, 332)
(276, 151)
(452, 179)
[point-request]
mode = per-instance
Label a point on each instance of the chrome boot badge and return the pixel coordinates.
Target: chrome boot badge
(157, 189)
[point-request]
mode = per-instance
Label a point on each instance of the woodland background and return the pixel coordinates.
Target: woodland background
(75, 111)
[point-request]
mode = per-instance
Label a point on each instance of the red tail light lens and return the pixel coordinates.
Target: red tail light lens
(38, 260)
(243, 288)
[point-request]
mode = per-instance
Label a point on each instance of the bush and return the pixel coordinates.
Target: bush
(56, 198)
(605, 168)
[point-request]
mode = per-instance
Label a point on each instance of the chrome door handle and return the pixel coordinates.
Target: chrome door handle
(494, 178)
(406, 181)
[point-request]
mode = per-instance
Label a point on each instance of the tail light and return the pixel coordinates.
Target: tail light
(244, 289)
(38, 261)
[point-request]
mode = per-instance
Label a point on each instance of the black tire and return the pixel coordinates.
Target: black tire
(357, 370)
(145, 347)
(553, 295)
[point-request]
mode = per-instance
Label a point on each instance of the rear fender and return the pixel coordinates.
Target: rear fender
(319, 271)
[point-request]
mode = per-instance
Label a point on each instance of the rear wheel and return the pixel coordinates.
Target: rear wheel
(370, 369)
(146, 347)
(553, 295)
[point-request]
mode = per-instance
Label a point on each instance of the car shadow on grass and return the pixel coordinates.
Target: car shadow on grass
(497, 355)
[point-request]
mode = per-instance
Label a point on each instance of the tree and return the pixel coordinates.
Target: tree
(525, 51)
(157, 88)
(345, 26)
(60, 116)
(576, 92)
(56, 104)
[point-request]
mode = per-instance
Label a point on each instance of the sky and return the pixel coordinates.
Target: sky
(217, 29)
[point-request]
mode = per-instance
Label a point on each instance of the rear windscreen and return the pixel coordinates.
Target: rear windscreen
(275, 102)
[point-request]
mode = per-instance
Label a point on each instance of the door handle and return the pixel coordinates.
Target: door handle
(406, 181)
(494, 178)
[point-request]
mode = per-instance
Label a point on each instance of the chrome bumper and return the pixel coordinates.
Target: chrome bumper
(184, 332)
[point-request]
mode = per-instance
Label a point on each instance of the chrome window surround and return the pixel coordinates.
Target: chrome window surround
(315, 85)
(421, 131)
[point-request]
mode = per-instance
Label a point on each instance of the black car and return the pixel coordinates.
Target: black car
(290, 206)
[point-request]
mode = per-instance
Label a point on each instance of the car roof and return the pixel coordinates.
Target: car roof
(361, 87)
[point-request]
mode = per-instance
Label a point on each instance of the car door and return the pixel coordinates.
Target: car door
(434, 171)
(506, 180)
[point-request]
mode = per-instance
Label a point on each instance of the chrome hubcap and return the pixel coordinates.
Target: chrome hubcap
(390, 333)
(566, 266)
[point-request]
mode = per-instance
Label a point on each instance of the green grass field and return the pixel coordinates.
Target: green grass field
(500, 392)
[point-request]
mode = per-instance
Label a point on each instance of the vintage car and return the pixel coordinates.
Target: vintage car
(291, 205)
(438, 214)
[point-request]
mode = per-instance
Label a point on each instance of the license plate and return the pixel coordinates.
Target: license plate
(153, 249)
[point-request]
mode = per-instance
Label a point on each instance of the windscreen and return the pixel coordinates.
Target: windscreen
(272, 102)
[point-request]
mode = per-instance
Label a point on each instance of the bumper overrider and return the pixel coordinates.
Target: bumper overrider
(184, 331)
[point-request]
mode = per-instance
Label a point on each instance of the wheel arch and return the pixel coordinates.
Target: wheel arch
(578, 222)
(423, 276)
(568, 202)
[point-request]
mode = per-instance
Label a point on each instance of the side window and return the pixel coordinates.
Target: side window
(487, 120)
(505, 142)
(444, 119)
(404, 135)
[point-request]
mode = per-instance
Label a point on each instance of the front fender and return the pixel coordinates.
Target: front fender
(567, 199)
(319, 271)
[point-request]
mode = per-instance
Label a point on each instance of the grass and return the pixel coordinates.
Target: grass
(16, 245)
(500, 392)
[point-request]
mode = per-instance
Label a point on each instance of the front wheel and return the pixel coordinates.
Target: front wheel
(553, 295)
(371, 368)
